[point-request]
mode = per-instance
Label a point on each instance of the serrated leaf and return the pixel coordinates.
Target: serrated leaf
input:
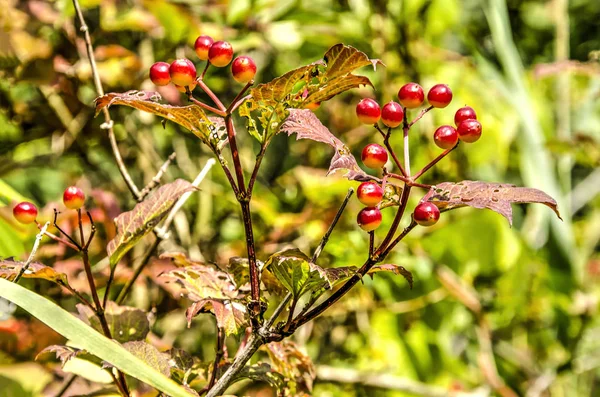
(231, 315)
(261, 372)
(180, 359)
(125, 323)
(149, 354)
(191, 117)
(63, 353)
(9, 269)
(391, 195)
(135, 224)
(396, 269)
(306, 125)
(497, 197)
(296, 366)
(278, 89)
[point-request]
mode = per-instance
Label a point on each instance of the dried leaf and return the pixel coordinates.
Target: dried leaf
(191, 117)
(396, 269)
(497, 197)
(391, 196)
(297, 367)
(231, 315)
(63, 353)
(125, 323)
(9, 268)
(180, 360)
(202, 282)
(135, 224)
(306, 125)
(149, 354)
(275, 91)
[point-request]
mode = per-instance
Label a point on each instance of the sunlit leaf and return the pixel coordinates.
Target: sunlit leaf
(396, 269)
(231, 315)
(296, 366)
(125, 323)
(306, 125)
(135, 224)
(497, 197)
(9, 269)
(191, 117)
(150, 355)
(261, 372)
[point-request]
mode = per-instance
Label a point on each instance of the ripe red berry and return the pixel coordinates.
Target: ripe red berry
(73, 198)
(159, 73)
(469, 131)
(392, 114)
(464, 113)
(202, 45)
(369, 219)
(25, 212)
(220, 53)
(369, 193)
(439, 96)
(411, 95)
(445, 136)
(183, 72)
(243, 69)
(368, 111)
(374, 156)
(426, 214)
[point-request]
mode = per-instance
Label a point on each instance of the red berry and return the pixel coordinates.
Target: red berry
(464, 113)
(369, 219)
(243, 69)
(202, 45)
(374, 156)
(220, 53)
(369, 193)
(392, 114)
(411, 95)
(439, 96)
(469, 131)
(183, 72)
(445, 136)
(73, 198)
(182, 89)
(426, 214)
(25, 212)
(368, 111)
(159, 73)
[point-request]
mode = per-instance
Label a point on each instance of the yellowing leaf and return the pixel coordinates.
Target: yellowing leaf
(9, 269)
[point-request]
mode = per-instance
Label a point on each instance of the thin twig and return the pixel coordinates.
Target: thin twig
(325, 238)
(75, 243)
(238, 96)
(211, 94)
(66, 385)
(108, 123)
(219, 353)
(419, 116)
(434, 162)
(371, 242)
(259, 158)
(203, 105)
(36, 244)
(396, 222)
(57, 238)
(156, 179)
(278, 311)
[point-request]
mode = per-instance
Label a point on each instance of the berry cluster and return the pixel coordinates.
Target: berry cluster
(392, 115)
(182, 72)
(26, 212)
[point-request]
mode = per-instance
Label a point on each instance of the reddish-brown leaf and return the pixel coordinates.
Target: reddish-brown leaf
(287, 359)
(231, 315)
(396, 269)
(135, 224)
(9, 269)
(63, 353)
(191, 117)
(497, 197)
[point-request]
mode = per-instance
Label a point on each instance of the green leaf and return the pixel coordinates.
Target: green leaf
(231, 315)
(87, 338)
(261, 372)
(9, 269)
(150, 355)
(497, 197)
(125, 323)
(135, 224)
(191, 117)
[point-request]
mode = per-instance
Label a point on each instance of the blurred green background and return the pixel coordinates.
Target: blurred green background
(531, 70)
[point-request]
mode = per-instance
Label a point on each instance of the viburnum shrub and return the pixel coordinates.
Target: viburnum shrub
(265, 299)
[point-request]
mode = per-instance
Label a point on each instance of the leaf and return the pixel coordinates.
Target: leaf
(9, 268)
(391, 196)
(87, 338)
(306, 125)
(135, 224)
(261, 372)
(295, 272)
(231, 315)
(497, 197)
(275, 91)
(396, 269)
(63, 353)
(297, 367)
(150, 355)
(125, 323)
(191, 117)
(180, 360)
